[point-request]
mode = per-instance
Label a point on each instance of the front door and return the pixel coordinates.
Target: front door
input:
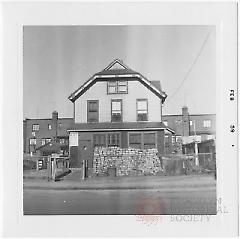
(85, 154)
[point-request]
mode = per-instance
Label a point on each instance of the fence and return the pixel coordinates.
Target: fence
(34, 162)
(189, 163)
(55, 165)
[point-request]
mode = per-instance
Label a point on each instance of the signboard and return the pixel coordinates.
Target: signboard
(73, 139)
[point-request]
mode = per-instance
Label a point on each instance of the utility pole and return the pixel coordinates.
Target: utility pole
(195, 144)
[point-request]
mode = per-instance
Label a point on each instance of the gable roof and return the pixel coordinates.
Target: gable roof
(117, 69)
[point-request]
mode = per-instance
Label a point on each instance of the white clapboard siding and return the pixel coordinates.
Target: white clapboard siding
(135, 91)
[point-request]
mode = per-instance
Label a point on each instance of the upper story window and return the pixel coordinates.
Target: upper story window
(49, 126)
(117, 87)
(207, 123)
(62, 141)
(142, 110)
(35, 127)
(33, 141)
(191, 123)
(92, 110)
(116, 106)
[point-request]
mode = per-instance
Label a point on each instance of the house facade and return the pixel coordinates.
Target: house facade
(116, 107)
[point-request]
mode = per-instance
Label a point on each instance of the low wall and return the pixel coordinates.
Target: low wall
(127, 161)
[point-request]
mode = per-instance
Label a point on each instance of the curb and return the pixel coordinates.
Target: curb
(65, 188)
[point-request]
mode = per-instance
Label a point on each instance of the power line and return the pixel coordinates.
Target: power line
(191, 67)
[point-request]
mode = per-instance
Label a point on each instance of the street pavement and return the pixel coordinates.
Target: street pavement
(193, 194)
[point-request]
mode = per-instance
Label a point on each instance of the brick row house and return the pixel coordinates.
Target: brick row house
(39, 132)
(116, 107)
(187, 127)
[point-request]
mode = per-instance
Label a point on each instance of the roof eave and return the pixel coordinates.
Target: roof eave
(74, 96)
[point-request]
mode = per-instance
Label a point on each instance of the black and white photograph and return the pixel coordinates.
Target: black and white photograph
(119, 120)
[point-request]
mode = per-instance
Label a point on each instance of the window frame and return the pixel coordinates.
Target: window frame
(34, 130)
(106, 135)
(119, 139)
(208, 125)
(142, 138)
(34, 140)
(45, 140)
(155, 138)
(117, 100)
(117, 87)
(105, 145)
(62, 141)
(88, 102)
(141, 99)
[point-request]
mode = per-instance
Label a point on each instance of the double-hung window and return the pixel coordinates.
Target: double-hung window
(116, 106)
(92, 111)
(142, 110)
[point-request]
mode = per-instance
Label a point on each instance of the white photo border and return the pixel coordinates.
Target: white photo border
(16, 15)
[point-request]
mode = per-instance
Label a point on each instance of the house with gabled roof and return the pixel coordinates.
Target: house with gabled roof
(116, 107)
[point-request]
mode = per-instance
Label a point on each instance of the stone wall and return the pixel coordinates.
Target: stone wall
(126, 161)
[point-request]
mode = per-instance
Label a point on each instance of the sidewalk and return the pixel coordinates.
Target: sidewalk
(191, 182)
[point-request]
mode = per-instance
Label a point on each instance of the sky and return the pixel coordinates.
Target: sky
(59, 59)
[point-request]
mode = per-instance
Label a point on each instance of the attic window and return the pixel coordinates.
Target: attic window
(117, 87)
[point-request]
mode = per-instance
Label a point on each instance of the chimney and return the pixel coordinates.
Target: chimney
(185, 121)
(54, 124)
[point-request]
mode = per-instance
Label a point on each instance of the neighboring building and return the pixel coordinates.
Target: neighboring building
(38, 132)
(189, 128)
(186, 124)
(116, 107)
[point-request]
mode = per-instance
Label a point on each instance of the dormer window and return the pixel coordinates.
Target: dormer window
(117, 87)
